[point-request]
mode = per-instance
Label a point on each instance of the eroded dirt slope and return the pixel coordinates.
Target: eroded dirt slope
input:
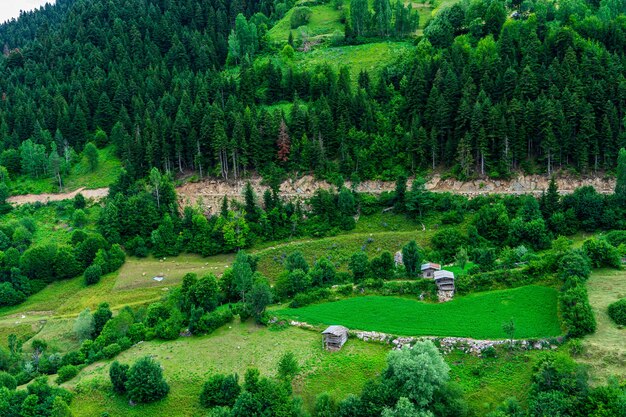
(209, 193)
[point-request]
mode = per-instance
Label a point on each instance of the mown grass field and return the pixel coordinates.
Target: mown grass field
(604, 350)
(233, 348)
(479, 316)
(109, 168)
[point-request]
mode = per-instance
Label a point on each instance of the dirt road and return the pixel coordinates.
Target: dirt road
(96, 194)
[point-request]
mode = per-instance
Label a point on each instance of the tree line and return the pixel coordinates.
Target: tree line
(483, 94)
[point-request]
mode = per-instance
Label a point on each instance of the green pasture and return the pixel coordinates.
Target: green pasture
(533, 310)
(604, 350)
(324, 21)
(234, 348)
(370, 57)
(140, 273)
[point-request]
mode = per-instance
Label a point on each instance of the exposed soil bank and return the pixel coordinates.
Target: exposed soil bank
(210, 192)
(95, 194)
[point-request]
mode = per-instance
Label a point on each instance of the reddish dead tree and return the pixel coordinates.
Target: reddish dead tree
(283, 142)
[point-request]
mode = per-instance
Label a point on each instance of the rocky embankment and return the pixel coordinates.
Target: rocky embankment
(446, 344)
(210, 192)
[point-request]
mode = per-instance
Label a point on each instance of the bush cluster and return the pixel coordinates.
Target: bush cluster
(617, 312)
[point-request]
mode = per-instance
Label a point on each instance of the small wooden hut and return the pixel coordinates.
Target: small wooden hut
(429, 269)
(335, 337)
(444, 280)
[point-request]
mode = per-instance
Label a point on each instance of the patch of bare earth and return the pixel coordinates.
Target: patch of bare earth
(95, 194)
(209, 193)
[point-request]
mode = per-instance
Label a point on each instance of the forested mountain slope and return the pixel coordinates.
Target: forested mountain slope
(177, 84)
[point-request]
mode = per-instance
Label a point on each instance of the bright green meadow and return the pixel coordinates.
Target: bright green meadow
(533, 310)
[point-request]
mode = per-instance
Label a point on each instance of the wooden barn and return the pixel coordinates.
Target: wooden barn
(429, 269)
(444, 280)
(335, 337)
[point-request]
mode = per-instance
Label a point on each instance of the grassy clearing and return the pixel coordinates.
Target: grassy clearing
(53, 221)
(487, 382)
(324, 21)
(604, 350)
(480, 316)
(59, 335)
(139, 273)
(234, 348)
(108, 170)
(65, 299)
(338, 248)
(369, 57)
(389, 222)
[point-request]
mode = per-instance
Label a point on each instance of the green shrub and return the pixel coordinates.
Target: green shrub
(448, 242)
(288, 366)
(416, 287)
(601, 253)
(93, 274)
(485, 281)
(489, 352)
(452, 217)
(119, 375)
(145, 382)
(577, 312)
(368, 203)
(616, 237)
(125, 343)
(574, 263)
(617, 312)
(8, 381)
(111, 351)
(136, 332)
(345, 289)
(66, 373)
(220, 390)
(382, 267)
(212, 321)
(73, 358)
(576, 347)
(310, 297)
(300, 16)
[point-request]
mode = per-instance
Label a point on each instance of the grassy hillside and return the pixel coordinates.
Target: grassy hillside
(480, 316)
(50, 316)
(338, 249)
(324, 21)
(109, 168)
(604, 350)
(234, 348)
(370, 57)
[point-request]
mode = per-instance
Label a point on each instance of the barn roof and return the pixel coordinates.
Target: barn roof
(444, 274)
(335, 330)
(430, 265)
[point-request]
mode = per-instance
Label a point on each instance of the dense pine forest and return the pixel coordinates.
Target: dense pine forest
(490, 88)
